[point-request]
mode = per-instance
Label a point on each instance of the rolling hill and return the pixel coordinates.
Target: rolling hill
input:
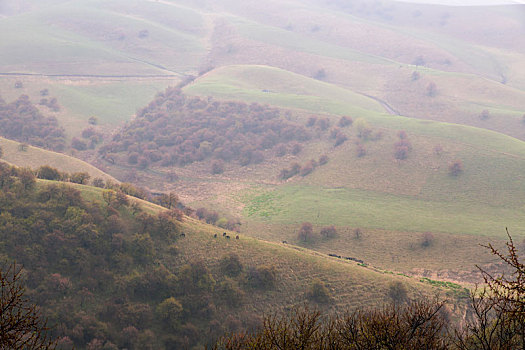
(102, 268)
(439, 84)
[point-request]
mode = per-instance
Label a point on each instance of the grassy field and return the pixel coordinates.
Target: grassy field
(90, 38)
(358, 208)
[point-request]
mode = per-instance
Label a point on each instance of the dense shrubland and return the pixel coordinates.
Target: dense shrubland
(107, 274)
(175, 129)
(20, 120)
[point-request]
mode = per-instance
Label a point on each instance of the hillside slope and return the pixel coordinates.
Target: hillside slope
(106, 272)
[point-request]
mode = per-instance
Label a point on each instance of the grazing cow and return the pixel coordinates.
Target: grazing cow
(228, 237)
(237, 237)
(284, 242)
(183, 234)
(224, 234)
(215, 236)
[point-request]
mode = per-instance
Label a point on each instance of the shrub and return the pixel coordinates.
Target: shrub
(311, 121)
(415, 76)
(93, 120)
(397, 292)
(80, 178)
(363, 129)
(340, 139)
(323, 159)
(345, 121)
(329, 231)
(323, 123)
(48, 173)
(78, 144)
(318, 292)
(307, 168)
(427, 239)
(455, 168)
(263, 277)
(305, 231)
(231, 265)
(484, 115)
(431, 89)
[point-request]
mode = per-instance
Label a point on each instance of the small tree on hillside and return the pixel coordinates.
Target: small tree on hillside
(455, 168)
(329, 231)
(484, 115)
(305, 231)
(431, 89)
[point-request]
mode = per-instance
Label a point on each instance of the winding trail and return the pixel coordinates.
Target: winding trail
(385, 105)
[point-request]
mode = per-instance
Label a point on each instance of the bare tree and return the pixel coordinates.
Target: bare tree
(21, 324)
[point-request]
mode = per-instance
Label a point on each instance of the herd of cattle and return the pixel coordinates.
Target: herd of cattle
(225, 235)
(215, 235)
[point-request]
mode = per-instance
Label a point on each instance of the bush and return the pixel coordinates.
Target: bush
(48, 173)
(263, 277)
(431, 90)
(231, 265)
(340, 139)
(305, 231)
(329, 231)
(484, 115)
(307, 168)
(345, 121)
(323, 159)
(455, 168)
(80, 178)
(78, 144)
(319, 293)
(397, 292)
(427, 239)
(217, 167)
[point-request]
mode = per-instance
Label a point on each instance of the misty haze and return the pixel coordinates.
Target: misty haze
(315, 174)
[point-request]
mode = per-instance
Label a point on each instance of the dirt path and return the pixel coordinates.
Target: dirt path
(385, 105)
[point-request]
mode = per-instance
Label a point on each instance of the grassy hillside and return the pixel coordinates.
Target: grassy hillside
(102, 267)
(34, 157)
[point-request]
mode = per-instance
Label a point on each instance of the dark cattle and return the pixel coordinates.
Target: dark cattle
(237, 237)
(224, 234)
(183, 234)
(215, 236)
(228, 237)
(354, 259)
(284, 242)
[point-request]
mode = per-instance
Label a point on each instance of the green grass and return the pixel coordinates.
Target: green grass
(83, 38)
(275, 86)
(359, 208)
(113, 102)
